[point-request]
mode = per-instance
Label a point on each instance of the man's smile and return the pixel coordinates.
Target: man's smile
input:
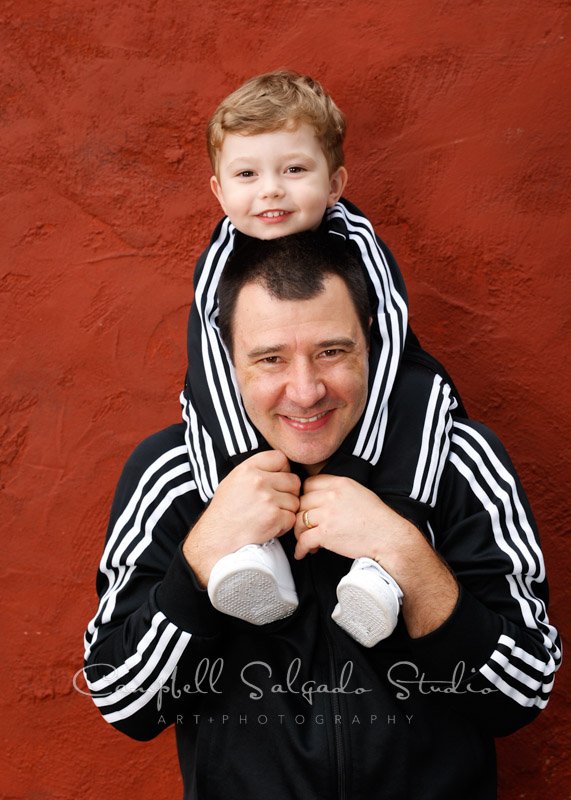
(313, 423)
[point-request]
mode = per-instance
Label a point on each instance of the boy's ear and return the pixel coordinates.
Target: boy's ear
(337, 183)
(217, 191)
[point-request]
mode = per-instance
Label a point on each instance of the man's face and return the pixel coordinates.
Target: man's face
(274, 184)
(302, 369)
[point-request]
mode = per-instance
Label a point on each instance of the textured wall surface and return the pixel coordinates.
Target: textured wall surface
(459, 152)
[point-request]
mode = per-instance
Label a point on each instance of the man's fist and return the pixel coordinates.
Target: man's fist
(257, 501)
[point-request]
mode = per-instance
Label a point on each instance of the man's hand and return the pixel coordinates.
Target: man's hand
(350, 520)
(255, 502)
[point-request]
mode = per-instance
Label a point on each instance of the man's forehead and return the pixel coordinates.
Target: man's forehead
(264, 323)
(257, 301)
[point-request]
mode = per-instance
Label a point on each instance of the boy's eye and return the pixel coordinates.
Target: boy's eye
(294, 170)
(245, 173)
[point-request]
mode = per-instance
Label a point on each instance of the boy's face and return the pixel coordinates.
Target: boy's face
(274, 184)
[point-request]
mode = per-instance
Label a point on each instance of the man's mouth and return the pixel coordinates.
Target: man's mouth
(308, 419)
(312, 423)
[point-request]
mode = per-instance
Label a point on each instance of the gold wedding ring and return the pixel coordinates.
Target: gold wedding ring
(306, 521)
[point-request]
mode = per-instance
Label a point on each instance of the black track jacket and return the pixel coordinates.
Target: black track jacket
(297, 709)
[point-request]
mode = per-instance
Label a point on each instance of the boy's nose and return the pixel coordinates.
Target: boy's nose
(271, 187)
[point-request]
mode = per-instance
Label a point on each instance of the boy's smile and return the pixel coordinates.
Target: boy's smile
(274, 184)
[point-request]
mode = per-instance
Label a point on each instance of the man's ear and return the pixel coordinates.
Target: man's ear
(337, 183)
(217, 192)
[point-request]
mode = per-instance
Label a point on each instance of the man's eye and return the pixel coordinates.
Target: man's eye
(270, 360)
(331, 352)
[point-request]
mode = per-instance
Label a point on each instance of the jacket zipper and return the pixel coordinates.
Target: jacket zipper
(335, 703)
(339, 750)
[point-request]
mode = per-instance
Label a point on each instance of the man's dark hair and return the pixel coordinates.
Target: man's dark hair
(290, 268)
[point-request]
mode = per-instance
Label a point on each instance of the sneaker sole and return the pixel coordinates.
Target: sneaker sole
(235, 592)
(362, 616)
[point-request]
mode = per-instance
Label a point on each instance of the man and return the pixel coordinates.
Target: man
(296, 708)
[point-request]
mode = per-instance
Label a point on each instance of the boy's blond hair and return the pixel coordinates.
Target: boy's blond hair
(276, 100)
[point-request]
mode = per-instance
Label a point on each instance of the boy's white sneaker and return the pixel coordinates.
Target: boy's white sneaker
(254, 584)
(369, 602)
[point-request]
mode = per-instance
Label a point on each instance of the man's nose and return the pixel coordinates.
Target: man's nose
(305, 386)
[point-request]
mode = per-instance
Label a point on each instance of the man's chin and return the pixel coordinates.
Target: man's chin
(310, 447)
(311, 462)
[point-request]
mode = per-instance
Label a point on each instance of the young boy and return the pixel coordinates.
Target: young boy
(276, 148)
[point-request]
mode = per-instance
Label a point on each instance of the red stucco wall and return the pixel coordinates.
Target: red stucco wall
(459, 152)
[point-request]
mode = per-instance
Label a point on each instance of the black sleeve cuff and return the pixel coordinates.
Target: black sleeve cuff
(465, 641)
(184, 602)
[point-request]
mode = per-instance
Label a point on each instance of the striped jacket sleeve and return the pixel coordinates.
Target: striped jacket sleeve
(417, 443)
(498, 644)
(151, 614)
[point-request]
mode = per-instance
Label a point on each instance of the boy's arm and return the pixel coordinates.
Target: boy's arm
(212, 410)
(152, 616)
(390, 321)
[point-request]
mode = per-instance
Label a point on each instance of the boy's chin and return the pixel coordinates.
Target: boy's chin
(267, 232)
(279, 231)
